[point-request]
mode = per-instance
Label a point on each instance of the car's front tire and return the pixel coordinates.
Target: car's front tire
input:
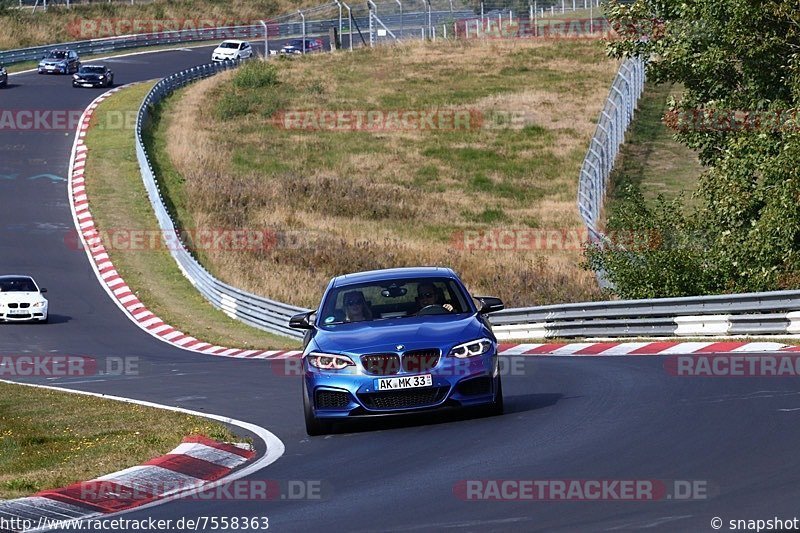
(497, 407)
(314, 426)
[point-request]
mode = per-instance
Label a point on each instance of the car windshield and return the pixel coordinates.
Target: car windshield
(57, 54)
(229, 45)
(17, 285)
(400, 298)
(92, 70)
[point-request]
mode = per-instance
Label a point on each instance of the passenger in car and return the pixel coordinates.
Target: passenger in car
(356, 307)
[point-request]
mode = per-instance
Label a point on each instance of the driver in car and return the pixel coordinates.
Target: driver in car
(428, 295)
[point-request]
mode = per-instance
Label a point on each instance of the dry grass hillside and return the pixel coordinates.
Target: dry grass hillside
(340, 200)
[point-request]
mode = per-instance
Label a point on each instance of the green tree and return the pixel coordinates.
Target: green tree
(739, 62)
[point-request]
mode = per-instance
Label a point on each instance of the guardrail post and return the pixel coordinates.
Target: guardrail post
(349, 24)
(399, 3)
(303, 17)
(266, 39)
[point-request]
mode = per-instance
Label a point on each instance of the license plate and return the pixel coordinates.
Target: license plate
(18, 311)
(407, 382)
(87, 84)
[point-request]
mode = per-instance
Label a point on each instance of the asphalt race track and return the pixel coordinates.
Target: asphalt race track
(568, 418)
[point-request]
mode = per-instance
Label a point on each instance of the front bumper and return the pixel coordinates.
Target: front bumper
(89, 83)
(457, 383)
(54, 70)
(33, 314)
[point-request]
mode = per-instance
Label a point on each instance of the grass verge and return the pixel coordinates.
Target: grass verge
(120, 204)
(650, 158)
(349, 199)
(51, 439)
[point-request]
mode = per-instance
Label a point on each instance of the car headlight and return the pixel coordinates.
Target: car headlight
(75, 77)
(38, 304)
(472, 348)
(329, 361)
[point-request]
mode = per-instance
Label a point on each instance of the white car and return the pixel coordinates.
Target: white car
(21, 299)
(232, 50)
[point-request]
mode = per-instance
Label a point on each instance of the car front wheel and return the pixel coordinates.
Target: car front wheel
(497, 407)
(314, 426)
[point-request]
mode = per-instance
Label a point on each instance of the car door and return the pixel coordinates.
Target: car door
(247, 51)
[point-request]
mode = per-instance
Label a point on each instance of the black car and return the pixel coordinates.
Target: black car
(59, 62)
(93, 76)
(3, 76)
(295, 46)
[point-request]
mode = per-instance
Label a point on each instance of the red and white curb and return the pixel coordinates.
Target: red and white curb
(110, 279)
(197, 465)
(190, 466)
(643, 348)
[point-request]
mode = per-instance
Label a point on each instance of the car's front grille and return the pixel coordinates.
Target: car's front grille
(19, 317)
(404, 399)
(420, 360)
(475, 386)
(328, 399)
(23, 305)
(381, 364)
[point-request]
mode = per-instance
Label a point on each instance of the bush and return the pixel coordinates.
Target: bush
(255, 74)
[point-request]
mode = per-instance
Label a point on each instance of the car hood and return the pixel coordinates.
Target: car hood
(52, 61)
(226, 51)
(433, 331)
(30, 297)
(88, 76)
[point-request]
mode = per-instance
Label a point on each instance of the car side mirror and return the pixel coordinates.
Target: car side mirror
(490, 304)
(302, 321)
(42, 290)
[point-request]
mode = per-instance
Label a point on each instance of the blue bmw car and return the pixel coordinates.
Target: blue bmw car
(397, 341)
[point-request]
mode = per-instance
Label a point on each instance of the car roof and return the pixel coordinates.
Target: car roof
(237, 41)
(16, 276)
(393, 273)
(84, 65)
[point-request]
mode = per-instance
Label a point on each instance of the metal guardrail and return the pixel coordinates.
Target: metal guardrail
(765, 313)
(251, 309)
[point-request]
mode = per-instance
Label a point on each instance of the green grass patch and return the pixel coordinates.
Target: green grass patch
(651, 158)
(119, 202)
(50, 439)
